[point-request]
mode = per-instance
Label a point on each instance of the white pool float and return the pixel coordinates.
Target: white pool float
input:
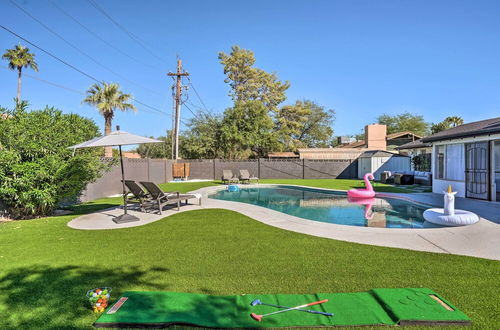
(448, 216)
(460, 218)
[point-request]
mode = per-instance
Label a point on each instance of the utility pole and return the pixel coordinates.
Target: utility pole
(178, 103)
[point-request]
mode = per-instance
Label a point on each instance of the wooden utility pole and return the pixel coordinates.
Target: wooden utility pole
(178, 102)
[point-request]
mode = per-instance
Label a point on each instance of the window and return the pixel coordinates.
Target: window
(455, 162)
(440, 162)
(450, 162)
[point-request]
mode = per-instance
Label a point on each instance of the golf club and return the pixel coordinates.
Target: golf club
(259, 302)
(258, 317)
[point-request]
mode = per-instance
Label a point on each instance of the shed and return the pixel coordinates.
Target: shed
(378, 161)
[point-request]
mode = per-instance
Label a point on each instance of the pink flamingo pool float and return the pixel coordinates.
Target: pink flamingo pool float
(366, 202)
(363, 193)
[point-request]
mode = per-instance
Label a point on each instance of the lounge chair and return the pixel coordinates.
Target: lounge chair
(137, 193)
(227, 176)
(163, 198)
(245, 176)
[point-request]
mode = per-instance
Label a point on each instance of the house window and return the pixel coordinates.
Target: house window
(455, 162)
(450, 162)
(440, 162)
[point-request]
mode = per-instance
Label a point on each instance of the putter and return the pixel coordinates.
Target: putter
(258, 317)
(259, 302)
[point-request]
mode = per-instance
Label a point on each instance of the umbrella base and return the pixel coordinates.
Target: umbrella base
(124, 218)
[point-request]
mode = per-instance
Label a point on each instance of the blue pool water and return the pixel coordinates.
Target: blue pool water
(331, 207)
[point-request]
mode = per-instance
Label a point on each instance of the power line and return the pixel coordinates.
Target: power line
(121, 27)
(198, 95)
(51, 55)
(69, 65)
(74, 90)
(98, 36)
(194, 114)
(49, 82)
(78, 49)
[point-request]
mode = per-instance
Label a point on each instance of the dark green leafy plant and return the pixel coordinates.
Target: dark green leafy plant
(37, 170)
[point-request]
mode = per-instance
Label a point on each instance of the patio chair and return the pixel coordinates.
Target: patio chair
(245, 176)
(227, 176)
(137, 194)
(163, 198)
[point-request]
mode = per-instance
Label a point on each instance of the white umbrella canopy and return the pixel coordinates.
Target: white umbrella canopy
(118, 138)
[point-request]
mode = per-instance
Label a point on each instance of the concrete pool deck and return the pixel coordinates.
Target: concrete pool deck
(479, 240)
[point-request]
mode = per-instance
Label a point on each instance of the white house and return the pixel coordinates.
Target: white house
(378, 161)
(467, 157)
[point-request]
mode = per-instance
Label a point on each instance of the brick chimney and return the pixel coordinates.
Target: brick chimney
(376, 136)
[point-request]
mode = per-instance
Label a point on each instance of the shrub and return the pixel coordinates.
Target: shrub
(37, 170)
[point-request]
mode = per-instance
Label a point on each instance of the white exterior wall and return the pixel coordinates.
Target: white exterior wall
(377, 165)
(438, 185)
(393, 164)
(364, 166)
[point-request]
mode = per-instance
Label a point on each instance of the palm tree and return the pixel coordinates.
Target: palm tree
(107, 98)
(19, 58)
(454, 121)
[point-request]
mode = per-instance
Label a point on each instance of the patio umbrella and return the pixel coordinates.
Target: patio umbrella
(118, 138)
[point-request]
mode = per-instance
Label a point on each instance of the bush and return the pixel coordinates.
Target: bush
(37, 170)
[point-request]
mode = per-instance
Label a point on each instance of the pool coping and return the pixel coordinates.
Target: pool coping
(481, 239)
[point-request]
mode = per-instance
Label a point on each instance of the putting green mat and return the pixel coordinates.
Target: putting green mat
(375, 307)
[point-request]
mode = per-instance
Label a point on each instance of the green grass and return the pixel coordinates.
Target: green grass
(338, 184)
(46, 267)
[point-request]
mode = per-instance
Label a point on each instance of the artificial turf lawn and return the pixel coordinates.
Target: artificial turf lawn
(337, 184)
(46, 267)
(375, 307)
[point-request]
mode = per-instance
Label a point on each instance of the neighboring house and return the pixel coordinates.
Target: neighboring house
(376, 138)
(378, 161)
(282, 155)
(467, 157)
(420, 154)
(129, 154)
(329, 153)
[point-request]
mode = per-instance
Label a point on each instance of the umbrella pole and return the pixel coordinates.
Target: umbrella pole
(124, 217)
(123, 182)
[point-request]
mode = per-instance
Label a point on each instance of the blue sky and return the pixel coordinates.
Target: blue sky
(361, 58)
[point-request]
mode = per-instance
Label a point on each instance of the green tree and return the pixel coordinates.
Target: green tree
(158, 150)
(447, 123)
(246, 131)
(37, 170)
(249, 83)
(404, 122)
(19, 58)
(202, 139)
(305, 124)
(107, 98)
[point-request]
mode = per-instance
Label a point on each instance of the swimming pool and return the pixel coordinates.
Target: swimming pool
(331, 206)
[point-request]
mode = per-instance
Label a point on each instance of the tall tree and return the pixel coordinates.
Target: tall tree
(107, 98)
(19, 58)
(447, 123)
(203, 137)
(246, 131)
(249, 83)
(304, 124)
(405, 122)
(158, 150)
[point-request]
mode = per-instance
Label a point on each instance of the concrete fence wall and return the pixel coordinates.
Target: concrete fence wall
(160, 170)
